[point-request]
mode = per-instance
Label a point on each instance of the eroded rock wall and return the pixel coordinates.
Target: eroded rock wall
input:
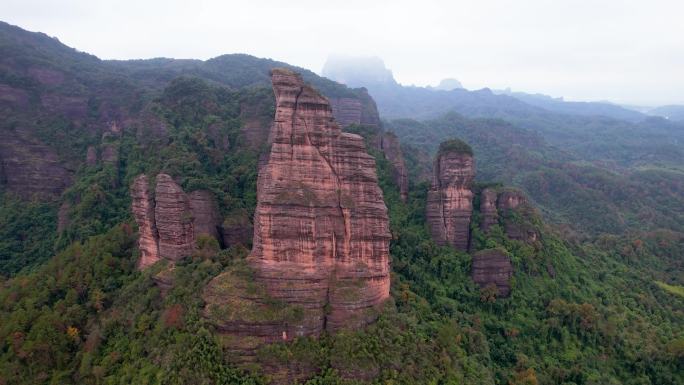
(449, 204)
(391, 147)
(321, 232)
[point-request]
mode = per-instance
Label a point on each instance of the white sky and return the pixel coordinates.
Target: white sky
(624, 51)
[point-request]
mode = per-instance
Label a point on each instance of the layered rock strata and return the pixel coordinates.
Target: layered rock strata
(493, 267)
(320, 259)
(170, 221)
(361, 110)
(449, 201)
(390, 146)
(174, 219)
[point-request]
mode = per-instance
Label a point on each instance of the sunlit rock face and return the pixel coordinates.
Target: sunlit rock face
(450, 199)
(321, 232)
(493, 268)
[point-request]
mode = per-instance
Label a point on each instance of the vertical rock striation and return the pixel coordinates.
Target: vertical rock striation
(449, 202)
(321, 233)
(390, 146)
(174, 219)
(143, 212)
(493, 267)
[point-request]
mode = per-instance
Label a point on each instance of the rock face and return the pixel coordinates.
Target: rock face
(170, 221)
(143, 212)
(321, 232)
(361, 110)
(521, 230)
(449, 202)
(390, 146)
(490, 215)
(174, 219)
(205, 213)
(493, 267)
(29, 168)
(237, 229)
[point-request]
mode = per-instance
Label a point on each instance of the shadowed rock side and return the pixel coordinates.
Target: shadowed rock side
(30, 168)
(392, 149)
(490, 215)
(320, 259)
(361, 110)
(205, 213)
(516, 227)
(142, 204)
(493, 267)
(449, 201)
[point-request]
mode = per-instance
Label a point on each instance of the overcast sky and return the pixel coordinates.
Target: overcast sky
(619, 50)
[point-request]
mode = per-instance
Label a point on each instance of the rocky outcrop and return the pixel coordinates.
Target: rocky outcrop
(449, 202)
(174, 220)
(518, 227)
(490, 215)
(31, 168)
(143, 212)
(390, 146)
(493, 267)
(205, 214)
(170, 221)
(63, 219)
(359, 110)
(320, 259)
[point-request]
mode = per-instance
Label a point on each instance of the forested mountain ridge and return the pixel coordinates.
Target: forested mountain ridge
(83, 310)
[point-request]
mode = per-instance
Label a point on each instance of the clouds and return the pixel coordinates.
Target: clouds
(626, 51)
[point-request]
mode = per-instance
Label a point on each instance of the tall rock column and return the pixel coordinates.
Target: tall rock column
(143, 212)
(174, 219)
(450, 199)
(321, 233)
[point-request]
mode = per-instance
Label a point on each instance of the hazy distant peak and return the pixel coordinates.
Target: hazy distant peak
(448, 84)
(357, 71)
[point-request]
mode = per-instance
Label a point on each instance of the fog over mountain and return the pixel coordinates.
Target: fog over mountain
(628, 52)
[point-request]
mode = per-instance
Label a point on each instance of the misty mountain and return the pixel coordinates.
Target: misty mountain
(673, 112)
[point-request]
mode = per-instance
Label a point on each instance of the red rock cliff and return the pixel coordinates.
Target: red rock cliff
(490, 216)
(321, 232)
(143, 212)
(449, 205)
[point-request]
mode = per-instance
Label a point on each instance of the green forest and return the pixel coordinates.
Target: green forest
(597, 298)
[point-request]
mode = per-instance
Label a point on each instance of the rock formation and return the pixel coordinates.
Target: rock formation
(170, 221)
(360, 110)
(91, 156)
(31, 168)
(449, 202)
(490, 215)
(143, 212)
(390, 146)
(320, 259)
(493, 267)
(173, 218)
(519, 229)
(205, 213)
